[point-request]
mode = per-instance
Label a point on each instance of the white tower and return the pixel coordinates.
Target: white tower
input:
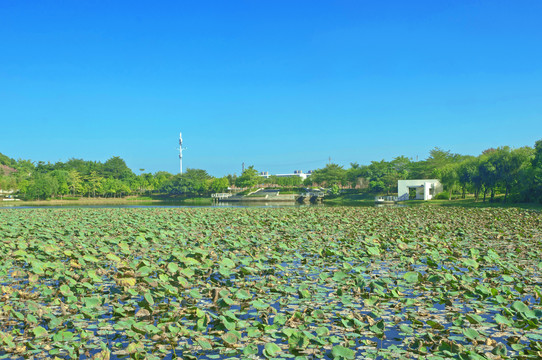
(181, 151)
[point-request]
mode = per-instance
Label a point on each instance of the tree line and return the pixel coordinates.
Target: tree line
(516, 173)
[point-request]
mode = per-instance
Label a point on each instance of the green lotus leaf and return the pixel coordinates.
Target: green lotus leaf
(231, 337)
(253, 332)
(298, 340)
(37, 267)
(149, 299)
(339, 276)
(435, 325)
(474, 318)
(151, 329)
(31, 319)
(373, 250)
(322, 331)
(172, 267)
(471, 263)
(113, 257)
(20, 253)
(39, 332)
(95, 277)
(280, 319)
(412, 277)
(507, 278)
(500, 350)
(250, 349)
(378, 327)
(65, 290)
(227, 263)
(259, 305)
(271, 350)
(195, 294)
(520, 307)
(133, 348)
(91, 258)
(63, 336)
(341, 352)
(93, 302)
(243, 294)
(471, 334)
(229, 325)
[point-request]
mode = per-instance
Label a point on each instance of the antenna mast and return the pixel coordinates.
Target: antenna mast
(181, 151)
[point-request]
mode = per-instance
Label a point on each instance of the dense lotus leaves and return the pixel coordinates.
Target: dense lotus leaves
(305, 283)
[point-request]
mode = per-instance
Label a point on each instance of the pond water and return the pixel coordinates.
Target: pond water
(184, 205)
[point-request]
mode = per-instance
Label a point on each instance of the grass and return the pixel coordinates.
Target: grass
(136, 198)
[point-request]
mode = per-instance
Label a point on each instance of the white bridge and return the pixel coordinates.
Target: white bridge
(220, 196)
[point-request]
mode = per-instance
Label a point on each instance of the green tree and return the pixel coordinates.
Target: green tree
(44, 168)
(488, 172)
(41, 187)
(535, 174)
(117, 168)
(509, 163)
(332, 174)
(469, 177)
(191, 182)
(5, 160)
(439, 158)
(383, 175)
(449, 177)
(75, 181)
(231, 178)
(7, 182)
(219, 185)
(147, 182)
(284, 181)
(161, 178)
(248, 178)
(62, 178)
(111, 187)
(94, 183)
(25, 167)
(357, 175)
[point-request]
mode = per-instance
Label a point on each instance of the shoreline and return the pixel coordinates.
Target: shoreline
(338, 201)
(102, 201)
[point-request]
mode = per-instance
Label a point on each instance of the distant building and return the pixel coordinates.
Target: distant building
(426, 189)
(296, 173)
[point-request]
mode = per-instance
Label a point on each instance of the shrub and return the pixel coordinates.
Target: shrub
(443, 196)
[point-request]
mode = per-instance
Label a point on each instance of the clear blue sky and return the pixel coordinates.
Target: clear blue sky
(281, 85)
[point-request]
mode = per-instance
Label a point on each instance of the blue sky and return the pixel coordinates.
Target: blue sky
(281, 85)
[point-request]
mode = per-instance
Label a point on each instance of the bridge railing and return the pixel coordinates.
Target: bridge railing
(221, 195)
(311, 194)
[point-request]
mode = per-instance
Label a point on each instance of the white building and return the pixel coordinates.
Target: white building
(296, 173)
(426, 189)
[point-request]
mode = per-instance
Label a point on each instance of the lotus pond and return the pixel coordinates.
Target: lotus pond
(306, 283)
